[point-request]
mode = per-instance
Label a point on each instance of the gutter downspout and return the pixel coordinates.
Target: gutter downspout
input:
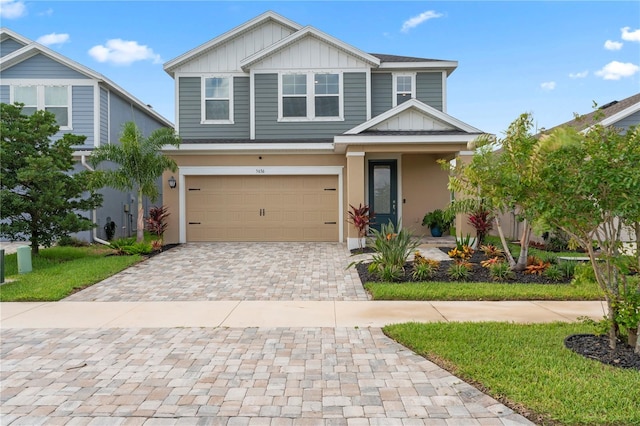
(94, 212)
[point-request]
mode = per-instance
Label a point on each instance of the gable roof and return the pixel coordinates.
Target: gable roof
(611, 113)
(33, 48)
(421, 108)
(6, 33)
(212, 44)
(308, 31)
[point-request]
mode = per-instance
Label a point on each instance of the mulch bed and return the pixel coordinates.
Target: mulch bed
(478, 273)
(597, 348)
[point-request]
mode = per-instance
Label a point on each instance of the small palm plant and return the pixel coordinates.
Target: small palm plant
(392, 249)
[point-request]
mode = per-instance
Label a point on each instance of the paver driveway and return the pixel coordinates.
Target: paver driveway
(231, 376)
(236, 271)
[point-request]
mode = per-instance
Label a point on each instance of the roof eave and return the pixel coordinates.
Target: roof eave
(448, 66)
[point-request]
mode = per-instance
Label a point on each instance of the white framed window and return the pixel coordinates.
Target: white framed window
(55, 99)
(217, 100)
(404, 88)
(311, 95)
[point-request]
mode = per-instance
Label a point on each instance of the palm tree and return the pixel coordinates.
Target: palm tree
(140, 161)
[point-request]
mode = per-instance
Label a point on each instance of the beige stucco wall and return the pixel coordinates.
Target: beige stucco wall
(423, 183)
(424, 188)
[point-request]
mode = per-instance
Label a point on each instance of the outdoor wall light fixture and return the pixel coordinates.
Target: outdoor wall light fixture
(172, 182)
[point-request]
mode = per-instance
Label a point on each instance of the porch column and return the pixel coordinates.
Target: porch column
(355, 191)
(462, 219)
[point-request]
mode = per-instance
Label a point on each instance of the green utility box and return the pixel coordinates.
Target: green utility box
(24, 259)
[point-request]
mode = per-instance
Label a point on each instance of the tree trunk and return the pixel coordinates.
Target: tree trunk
(524, 247)
(505, 246)
(140, 225)
(637, 349)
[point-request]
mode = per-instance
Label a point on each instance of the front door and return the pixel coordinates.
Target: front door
(383, 191)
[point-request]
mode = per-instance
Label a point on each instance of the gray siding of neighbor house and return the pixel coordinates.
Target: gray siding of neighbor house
(266, 101)
(121, 111)
(9, 46)
(81, 116)
(429, 89)
(104, 116)
(190, 111)
(40, 66)
(4, 94)
(632, 120)
(381, 93)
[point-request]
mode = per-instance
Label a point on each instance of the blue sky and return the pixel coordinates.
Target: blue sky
(548, 58)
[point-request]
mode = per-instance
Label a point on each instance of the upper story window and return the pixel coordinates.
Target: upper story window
(404, 88)
(54, 99)
(217, 104)
(311, 96)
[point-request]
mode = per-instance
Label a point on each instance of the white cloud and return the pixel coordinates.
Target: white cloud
(123, 52)
(419, 19)
(612, 45)
(616, 70)
(53, 38)
(582, 74)
(47, 12)
(11, 9)
(548, 85)
(630, 35)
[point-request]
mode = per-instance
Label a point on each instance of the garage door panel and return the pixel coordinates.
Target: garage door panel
(262, 208)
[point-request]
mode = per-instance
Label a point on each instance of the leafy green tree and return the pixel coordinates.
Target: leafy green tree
(41, 199)
(500, 181)
(140, 164)
(588, 185)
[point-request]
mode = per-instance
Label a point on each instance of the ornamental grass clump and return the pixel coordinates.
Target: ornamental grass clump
(391, 251)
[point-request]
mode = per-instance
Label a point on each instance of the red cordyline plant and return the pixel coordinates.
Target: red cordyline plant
(361, 218)
(156, 222)
(482, 222)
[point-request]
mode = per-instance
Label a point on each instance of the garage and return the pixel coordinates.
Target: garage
(262, 208)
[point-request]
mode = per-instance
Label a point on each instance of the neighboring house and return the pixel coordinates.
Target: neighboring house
(85, 103)
(283, 127)
(619, 114)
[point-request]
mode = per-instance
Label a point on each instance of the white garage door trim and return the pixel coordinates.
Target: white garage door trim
(257, 171)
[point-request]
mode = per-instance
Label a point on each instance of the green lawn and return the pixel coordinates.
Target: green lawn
(483, 291)
(528, 366)
(59, 271)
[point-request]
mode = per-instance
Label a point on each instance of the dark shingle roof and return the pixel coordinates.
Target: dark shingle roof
(604, 111)
(255, 141)
(412, 132)
(395, 58)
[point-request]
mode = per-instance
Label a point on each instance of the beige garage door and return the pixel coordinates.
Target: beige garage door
(262, 208)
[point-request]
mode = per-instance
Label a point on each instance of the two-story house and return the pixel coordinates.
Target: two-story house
(285, 126)
(85, 103)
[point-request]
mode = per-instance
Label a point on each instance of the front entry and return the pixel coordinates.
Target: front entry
(383, 191)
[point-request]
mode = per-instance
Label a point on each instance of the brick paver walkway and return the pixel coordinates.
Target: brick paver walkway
(236, 271)
(254, 376)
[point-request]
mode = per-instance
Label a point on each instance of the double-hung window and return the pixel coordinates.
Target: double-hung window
(54, 99)
(294, 95)
(217, 106)
(311, 96)
(404, 88)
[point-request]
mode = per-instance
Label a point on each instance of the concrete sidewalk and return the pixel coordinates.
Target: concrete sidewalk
(284, 313)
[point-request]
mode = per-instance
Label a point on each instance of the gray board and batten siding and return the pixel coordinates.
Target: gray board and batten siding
(266, 111)
(190, 111)
(9, 46)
